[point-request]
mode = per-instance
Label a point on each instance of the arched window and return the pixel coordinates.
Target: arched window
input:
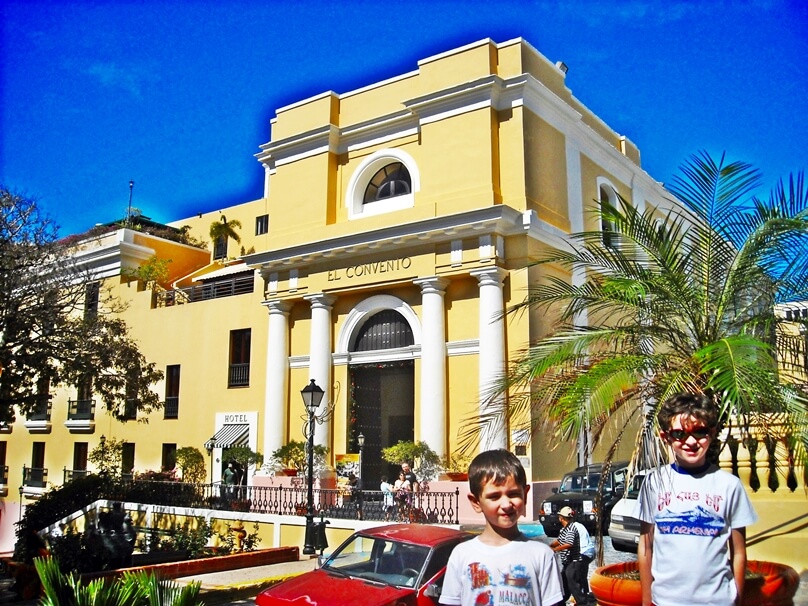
(391, 181)
(386, 329)
(385, 181)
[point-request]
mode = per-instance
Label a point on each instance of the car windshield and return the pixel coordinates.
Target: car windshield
(381, 560)
(636, 484)
(581, 483)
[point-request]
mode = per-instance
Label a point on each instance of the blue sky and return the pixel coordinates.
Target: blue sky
(177, 96)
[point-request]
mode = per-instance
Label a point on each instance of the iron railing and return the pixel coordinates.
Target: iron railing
(238, 285)
(35, 477)
(42, 410)
(425, 507)
(239, 375)
(81, 410)
(172, 407)
(69, 474)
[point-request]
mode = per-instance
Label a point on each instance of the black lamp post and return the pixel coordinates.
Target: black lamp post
(19, 519)
(103, 440)
(360, 439)
(312, 396)
(211, 446)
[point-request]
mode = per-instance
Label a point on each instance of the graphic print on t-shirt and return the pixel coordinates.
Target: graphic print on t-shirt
(509, 587)
(697, 521)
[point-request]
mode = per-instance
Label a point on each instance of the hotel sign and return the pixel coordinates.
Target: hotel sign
(370, 269)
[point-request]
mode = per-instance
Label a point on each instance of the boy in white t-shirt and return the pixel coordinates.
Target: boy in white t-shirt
(501, 566)
(693, 515)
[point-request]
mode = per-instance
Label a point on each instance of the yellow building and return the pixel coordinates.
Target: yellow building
(394, 229)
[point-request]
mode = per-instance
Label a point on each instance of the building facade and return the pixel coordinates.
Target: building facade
(395, 228)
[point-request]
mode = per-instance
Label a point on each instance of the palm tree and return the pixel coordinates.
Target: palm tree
(225, 230)
(673, 301)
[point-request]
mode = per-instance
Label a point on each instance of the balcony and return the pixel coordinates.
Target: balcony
(239, 375)
(34, 481)
(69, 474)
(39, 420)
(238, 285)
(172, 407)
(80, 416)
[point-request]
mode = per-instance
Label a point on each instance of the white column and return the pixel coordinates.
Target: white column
(575, 208)
(320, 359)
(492, 351)
(432, 427)
(277, 375)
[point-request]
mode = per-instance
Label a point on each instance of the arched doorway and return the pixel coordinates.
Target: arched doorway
(382, 394)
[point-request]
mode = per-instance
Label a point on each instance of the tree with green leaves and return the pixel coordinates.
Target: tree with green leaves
(683, 300)
(58, 324)
(225, 230)
(108, 456)
(192, 464)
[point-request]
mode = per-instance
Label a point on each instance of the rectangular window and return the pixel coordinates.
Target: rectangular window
(36, 475)
(85, 389)
(83, 407)
(80, 456)
(172, 405)
(220, 248)
(3, 466)
(91, 296)
(127, 458)
(42, 409)
(169, 460)
(261, 225)
(239, 375)
(130, 406)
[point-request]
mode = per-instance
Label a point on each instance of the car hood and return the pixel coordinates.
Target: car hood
(329, 589)
(571, 496)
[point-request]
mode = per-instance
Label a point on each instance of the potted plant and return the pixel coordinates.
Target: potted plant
(766, 584)
(425, 462)
(292, 458)
(457, 466)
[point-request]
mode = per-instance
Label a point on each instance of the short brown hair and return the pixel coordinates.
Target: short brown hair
(497, 466)
(698, 406)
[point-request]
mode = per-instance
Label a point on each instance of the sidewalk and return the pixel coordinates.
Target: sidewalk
(231, 585)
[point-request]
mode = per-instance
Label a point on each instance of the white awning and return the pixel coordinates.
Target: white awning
(229, 436)
(230, 270)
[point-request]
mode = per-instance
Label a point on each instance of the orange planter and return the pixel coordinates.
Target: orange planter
(775, 587)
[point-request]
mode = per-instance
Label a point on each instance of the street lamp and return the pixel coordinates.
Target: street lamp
(211, 446)
(103, 440)
(19, 519)
(312, 396)
(360, 439)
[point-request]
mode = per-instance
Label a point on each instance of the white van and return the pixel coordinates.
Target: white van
(624, 528)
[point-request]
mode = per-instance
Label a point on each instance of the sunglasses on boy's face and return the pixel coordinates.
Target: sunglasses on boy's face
(681, 435)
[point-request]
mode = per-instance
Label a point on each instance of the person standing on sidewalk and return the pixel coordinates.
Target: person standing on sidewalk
(574, 564)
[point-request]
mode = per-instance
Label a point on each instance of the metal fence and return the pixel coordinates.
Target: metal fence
(425, 507)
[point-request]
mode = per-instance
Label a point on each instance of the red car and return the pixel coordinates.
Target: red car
(398, 564)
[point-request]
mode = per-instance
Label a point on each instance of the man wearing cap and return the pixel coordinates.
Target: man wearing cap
(574, 564)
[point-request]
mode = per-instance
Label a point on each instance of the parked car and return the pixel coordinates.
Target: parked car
(624, 528)
(397, 564)
(579, 490)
